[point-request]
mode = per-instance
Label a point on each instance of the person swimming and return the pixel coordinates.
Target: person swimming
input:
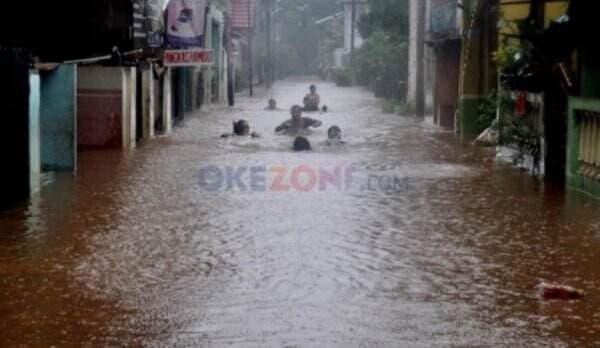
(301, 144)
(241, 128)
(324, 109)
(334, 136)
(297, 123)
(272, 106)
(312, 100)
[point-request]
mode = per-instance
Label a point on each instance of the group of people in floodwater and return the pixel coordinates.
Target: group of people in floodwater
(297, 127)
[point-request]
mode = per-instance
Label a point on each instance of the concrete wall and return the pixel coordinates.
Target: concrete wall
(214, 41)
(167, 110)
(108, 106)
(58, 119)
(224, 75)
(99, 100)
(35, 157)
(148, 98)
(446, 83)
(14, 143)
(361, 8)
(129, 107)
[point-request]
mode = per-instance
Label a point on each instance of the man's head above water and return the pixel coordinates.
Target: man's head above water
(334, 133)
(296, 112)
(241, 127)
(302, 144)
(272, 104)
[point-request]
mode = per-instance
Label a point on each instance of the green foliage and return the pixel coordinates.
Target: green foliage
(488, 110)
(307, 48)
(390, 16)
(390, 106)
(382, 62)
(343, 77)
(506, 55)
(331, 40)
(518, 132)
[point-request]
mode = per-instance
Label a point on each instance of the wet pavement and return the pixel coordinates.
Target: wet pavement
(135, 250)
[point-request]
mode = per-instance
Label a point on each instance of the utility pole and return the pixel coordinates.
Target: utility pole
(420, 86)
(250, 49)
(230, 65)
(269, 38)
(353, 30)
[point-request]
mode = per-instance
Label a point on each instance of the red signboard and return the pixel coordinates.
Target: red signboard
(196, 57)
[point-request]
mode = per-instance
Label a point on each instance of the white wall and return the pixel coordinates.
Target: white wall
(411, 94)
(361, 8)
(35, 160)
(129, 107)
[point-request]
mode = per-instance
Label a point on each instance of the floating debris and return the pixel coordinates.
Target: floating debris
(553, 291)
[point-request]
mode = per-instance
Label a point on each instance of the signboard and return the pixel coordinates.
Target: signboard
(197, 57)
(242, 14)
(185, 23)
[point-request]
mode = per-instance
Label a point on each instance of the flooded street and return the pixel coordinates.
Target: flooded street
(134, 251)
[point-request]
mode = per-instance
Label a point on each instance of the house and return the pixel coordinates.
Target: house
(242, 21)
(342, 55)
(534, 82)
(91, 95)
(445, 38)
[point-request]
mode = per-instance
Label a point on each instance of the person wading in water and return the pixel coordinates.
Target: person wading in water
(312, 100)
(297, 124)
(241, 128)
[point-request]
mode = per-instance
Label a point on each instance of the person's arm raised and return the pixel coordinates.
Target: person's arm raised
(282, 127)
(311, 122)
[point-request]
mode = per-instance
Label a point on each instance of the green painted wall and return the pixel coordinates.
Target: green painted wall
(469, 112)
(589, 100)
(575, 180)
(590, 82)
(478, 70)
(590, 73)
(58, 119)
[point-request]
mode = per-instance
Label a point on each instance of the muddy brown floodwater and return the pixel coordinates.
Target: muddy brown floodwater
(135, 250)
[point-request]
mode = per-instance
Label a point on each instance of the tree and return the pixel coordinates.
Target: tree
(382, 61)
(299, 36)
(389, 16)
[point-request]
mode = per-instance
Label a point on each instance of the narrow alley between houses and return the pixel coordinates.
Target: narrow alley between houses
(137, 249)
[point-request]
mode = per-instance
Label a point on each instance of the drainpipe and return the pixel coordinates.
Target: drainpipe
(352, 31)
(250, 50)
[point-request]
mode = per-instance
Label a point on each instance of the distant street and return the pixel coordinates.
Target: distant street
(432, 243)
